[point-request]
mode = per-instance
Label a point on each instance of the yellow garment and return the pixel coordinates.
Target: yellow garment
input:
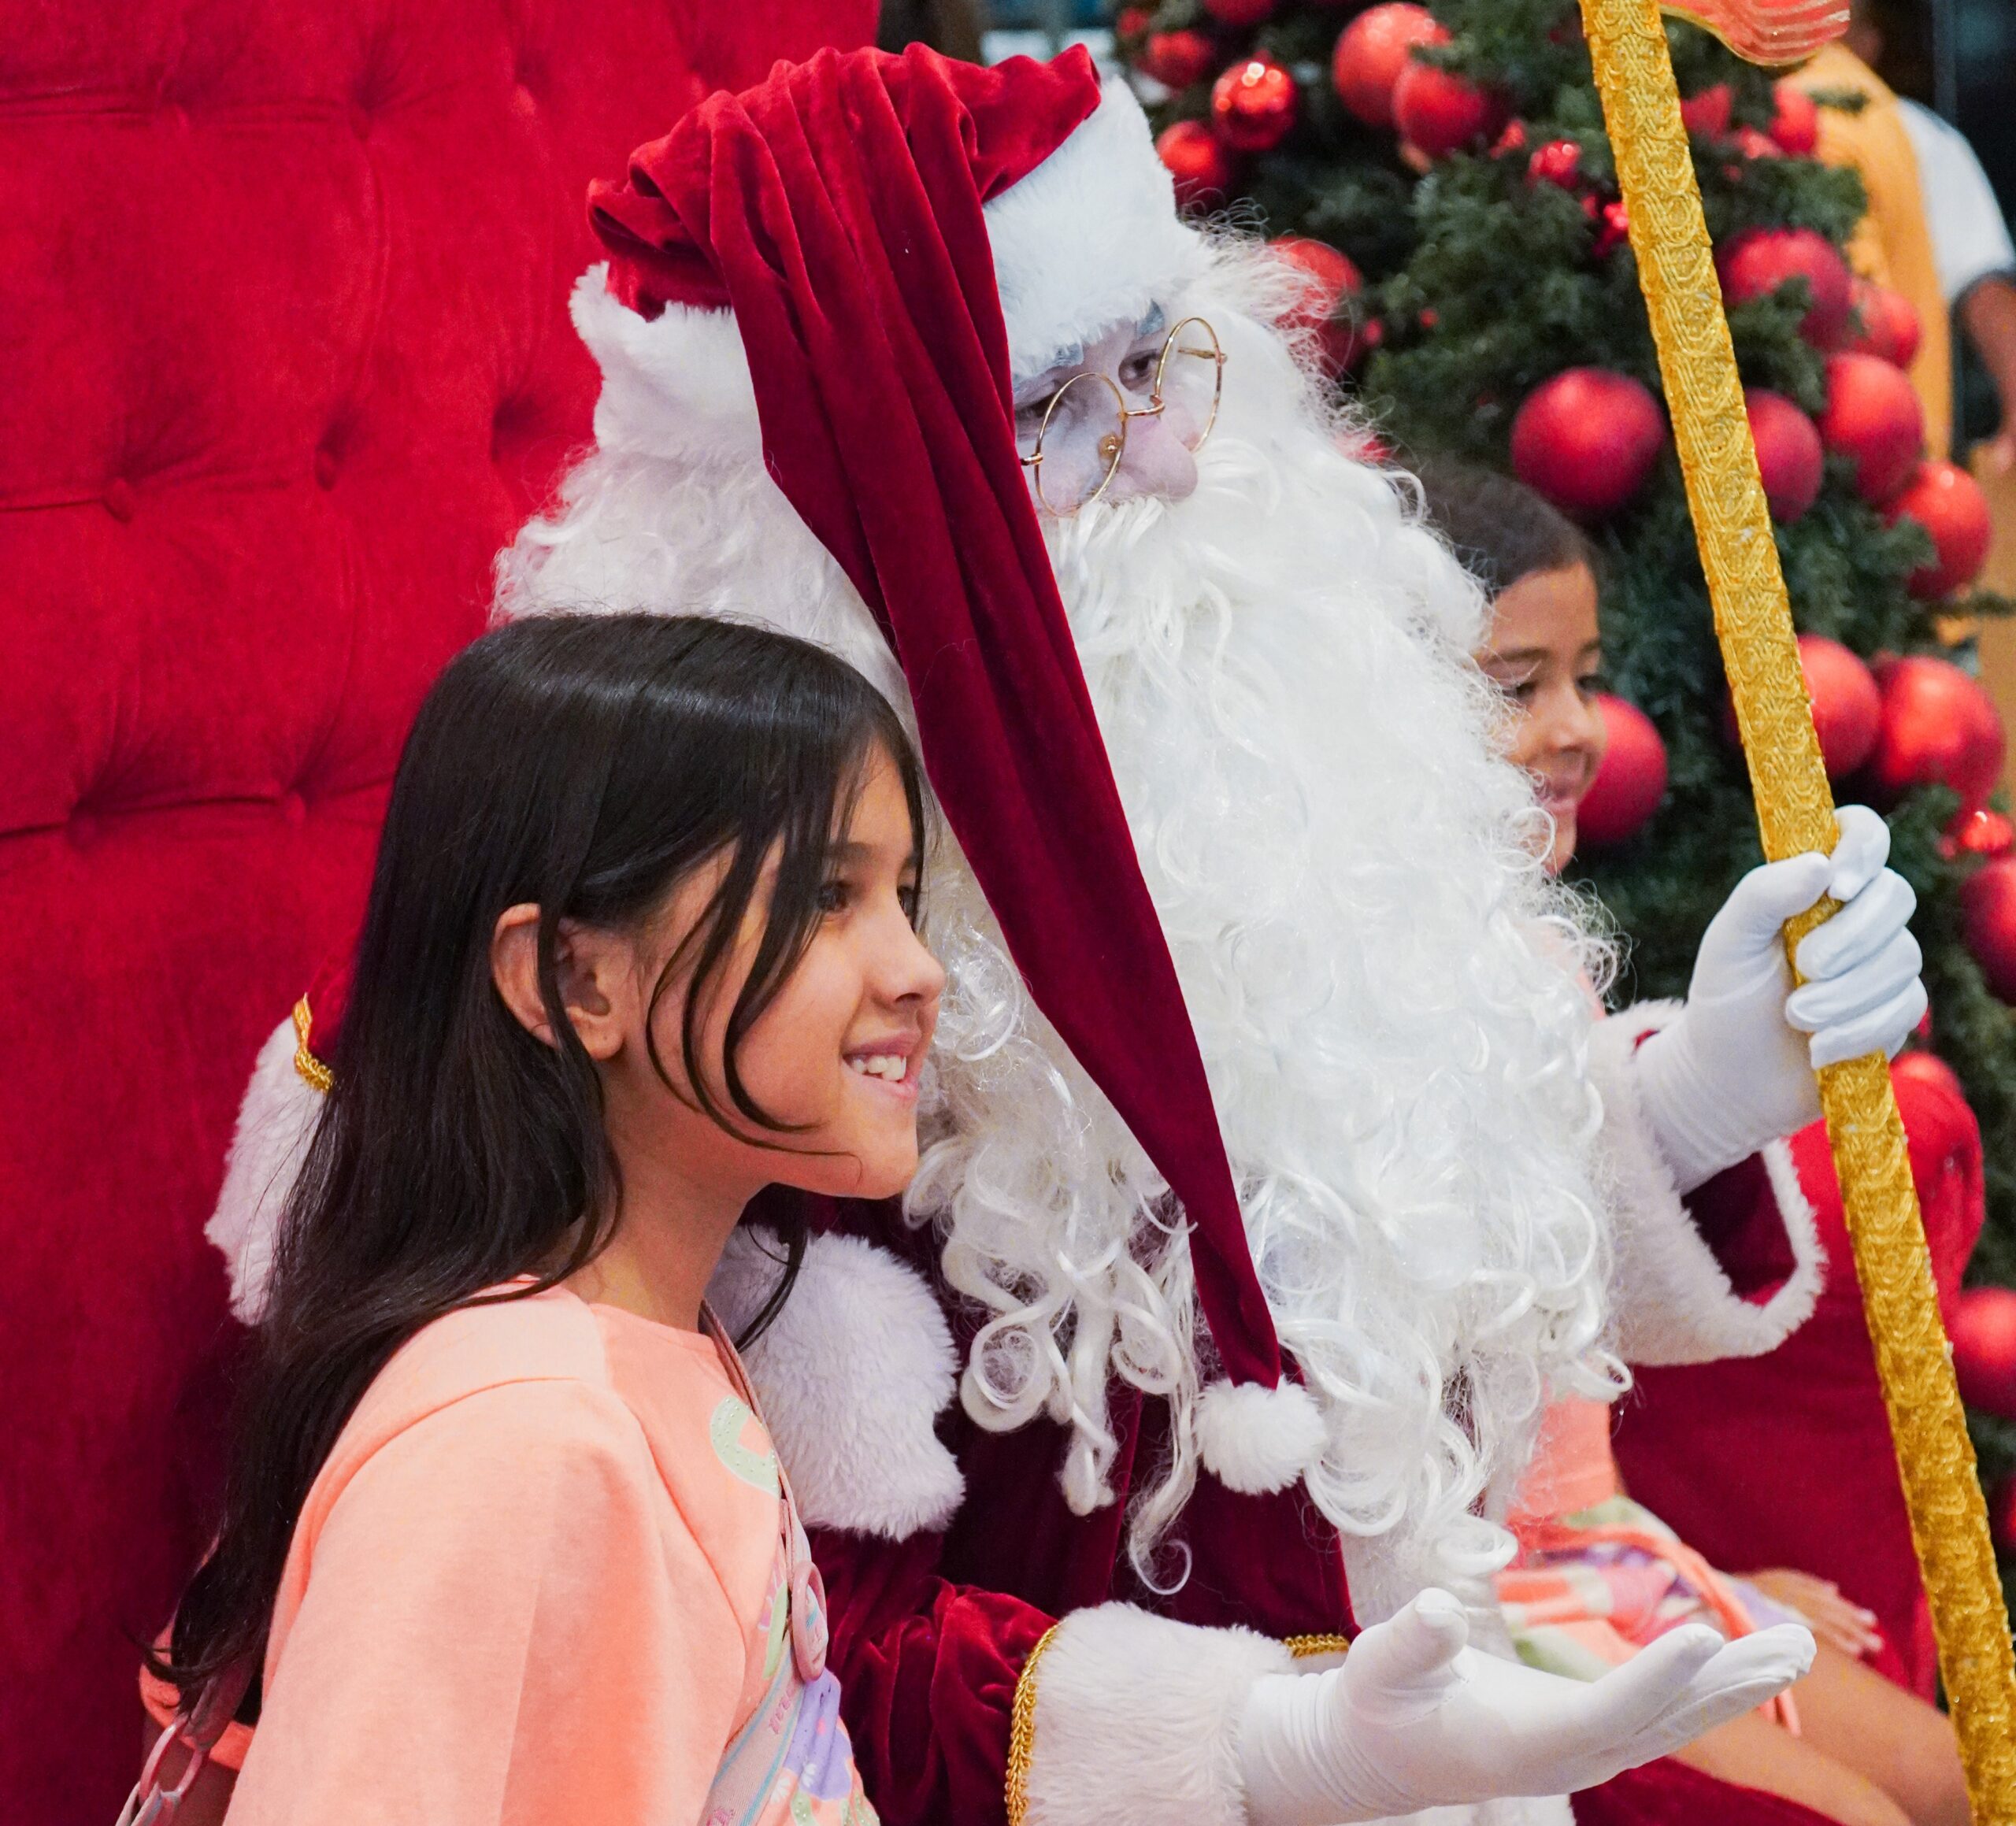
(1892, 246)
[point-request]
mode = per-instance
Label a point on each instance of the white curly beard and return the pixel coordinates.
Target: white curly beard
(1388, 993)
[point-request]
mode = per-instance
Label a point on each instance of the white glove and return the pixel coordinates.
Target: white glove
(1732, 1073)
(1414, 1718)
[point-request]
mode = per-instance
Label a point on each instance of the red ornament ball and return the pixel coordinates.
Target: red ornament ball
(1239, 12)
(1440, 113)
(1848, 706)
(1616, 229)
(1558, 162)
(1253, 105)
(1948, 503)
(1177, 59)
(1588, 440)
(1752, 144)
(1938, 725)
(1202, 167)
(1885, 325)
(1707, 115)
(1978, 832)
(1790, 455)
(1632, 779)
(1130, 22)
(1794, 121)
(1984, 1349)
(1873, 416)
(1758, 260)
(1928, 1069)
(1328, 278)
(1371, 53)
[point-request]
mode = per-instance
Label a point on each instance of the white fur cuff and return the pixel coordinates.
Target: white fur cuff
(852, 1377)
(1137, 1721)
(275, 1123)
(1673, 1302)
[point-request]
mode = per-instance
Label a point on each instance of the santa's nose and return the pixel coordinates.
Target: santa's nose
(1154, 462)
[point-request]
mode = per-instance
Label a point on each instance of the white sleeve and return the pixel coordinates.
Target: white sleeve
(1969, 238)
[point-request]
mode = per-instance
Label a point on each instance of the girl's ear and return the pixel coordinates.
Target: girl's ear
(585, 968)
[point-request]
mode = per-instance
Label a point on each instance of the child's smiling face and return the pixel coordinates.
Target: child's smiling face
(1545, 653)
(836, 1055)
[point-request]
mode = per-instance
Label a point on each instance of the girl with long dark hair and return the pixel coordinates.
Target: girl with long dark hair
(504, 1538)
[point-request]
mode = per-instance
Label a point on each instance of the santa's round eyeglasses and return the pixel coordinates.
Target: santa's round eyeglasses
(1075, 440)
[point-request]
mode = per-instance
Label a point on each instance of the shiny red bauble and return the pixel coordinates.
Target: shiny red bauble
(1979, 832)
(1440, 113)
(1948, 503)
(1177, 59)
(1588, 440)
(1794, 121)
(1790, 457)
(1847, 703)
(1253, 105)
(1616, 229)
(1202, 168)
(1885, 323)
(2002, 1514)
(1371, 53)
(1988, 903)
(1872, 416)
(1984, 1349)
(1631, 781)
(1328, 278)
(1928, 1069)
(1758, 261)
(1240, 12)
(1559, 161)
(1938, 725)
(1707, 115)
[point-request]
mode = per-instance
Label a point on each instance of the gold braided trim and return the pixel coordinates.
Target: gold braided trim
(315, 1074)
(1796, 811)
(1022, 1729)
(1304, 1647)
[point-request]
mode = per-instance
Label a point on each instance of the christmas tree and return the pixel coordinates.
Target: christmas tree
(1441, 175)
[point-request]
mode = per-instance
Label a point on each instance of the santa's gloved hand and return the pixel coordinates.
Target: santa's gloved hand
(1736, 1069)
(1414, 1718)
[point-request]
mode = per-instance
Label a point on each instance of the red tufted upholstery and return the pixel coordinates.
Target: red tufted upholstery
(285, 362)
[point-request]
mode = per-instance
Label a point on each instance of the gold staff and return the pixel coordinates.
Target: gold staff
(1795, 813)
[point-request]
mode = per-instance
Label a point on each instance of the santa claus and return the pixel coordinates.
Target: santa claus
(1280, 1172)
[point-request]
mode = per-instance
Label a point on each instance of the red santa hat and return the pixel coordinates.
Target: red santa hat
(865, 249)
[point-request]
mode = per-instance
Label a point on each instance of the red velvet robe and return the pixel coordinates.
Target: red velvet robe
(930, 1634)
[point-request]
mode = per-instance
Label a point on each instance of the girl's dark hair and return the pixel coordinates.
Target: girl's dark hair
(1500, 528)
(588, 763)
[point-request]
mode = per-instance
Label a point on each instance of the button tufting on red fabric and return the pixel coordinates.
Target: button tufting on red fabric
(83, 830)
(360, 120)
(119, 498)
(326, 467)
(294, 809)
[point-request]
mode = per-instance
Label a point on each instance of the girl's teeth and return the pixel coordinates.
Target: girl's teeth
(893, 1066)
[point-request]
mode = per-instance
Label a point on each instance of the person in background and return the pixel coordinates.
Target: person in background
(1600, 1576)
(1972, 253)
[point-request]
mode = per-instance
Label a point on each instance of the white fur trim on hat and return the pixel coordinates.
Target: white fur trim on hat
(1673, 1301)
(275, 1120)
(1258, 1440)
(1091, 237)
(852, 1375)
(1088, 239)
(1137, 1721)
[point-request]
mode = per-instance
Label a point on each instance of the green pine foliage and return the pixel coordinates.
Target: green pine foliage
(1485, 285)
